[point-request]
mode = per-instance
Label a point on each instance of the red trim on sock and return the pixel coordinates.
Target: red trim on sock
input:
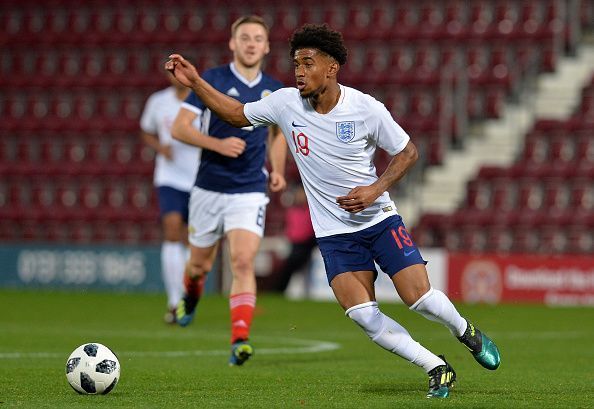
(242, 312)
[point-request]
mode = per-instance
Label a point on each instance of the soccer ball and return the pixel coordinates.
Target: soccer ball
(92, 369)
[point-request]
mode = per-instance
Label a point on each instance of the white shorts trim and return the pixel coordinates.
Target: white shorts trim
(213, 214)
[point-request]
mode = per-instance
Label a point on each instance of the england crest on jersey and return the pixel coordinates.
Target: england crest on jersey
(345, 131)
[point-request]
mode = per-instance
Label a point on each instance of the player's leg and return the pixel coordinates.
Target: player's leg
(413, 287)
(355, 293)
(412, 284)
(197, 268)
(204, 232)
(173, 209)
(398, 253)
(243, 246)
(351, 272)
(244, 217)
(436, 306)
(173, 261)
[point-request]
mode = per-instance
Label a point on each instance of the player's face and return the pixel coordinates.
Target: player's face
(249, 44)
(313, 71)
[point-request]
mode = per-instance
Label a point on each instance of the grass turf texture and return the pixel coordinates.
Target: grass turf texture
(547, 355)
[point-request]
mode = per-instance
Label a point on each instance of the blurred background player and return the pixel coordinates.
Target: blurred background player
(176, 164)
(229, 195)
(299, 231)
(334, 131)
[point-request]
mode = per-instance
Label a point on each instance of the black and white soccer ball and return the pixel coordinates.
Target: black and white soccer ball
(93, 369)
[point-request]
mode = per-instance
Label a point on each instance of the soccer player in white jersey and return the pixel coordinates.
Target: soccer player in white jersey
(176, 165)
(333, 131)
(229, 196)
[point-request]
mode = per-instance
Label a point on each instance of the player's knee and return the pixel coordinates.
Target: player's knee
(242, 264)
(367, 316)
(419, 304)
(173, 228)
(412, 295)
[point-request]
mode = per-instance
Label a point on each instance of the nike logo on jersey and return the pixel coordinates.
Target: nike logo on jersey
(297, 125)
(408, 253)
(232, 92)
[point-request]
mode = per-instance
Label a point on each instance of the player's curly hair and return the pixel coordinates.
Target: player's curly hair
(320, 37)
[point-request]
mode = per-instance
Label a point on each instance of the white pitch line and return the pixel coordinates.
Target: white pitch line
(311, 347)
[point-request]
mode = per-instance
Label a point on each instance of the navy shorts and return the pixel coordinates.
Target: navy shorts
(173, 201)
(387, 243)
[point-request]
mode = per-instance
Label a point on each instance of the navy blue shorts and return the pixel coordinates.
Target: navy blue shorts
(387, 243)
(173, 201)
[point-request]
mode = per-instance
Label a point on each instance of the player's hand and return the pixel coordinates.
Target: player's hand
(231, 146)
(182, 69)
(277, 182)
(358, 199)
(167, 151)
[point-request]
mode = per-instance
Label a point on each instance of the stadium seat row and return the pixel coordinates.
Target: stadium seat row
(380, 63)
(126, 22)
(122, 231)
(537, 237)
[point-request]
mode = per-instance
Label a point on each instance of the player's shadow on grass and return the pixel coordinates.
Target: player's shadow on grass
(388, 388)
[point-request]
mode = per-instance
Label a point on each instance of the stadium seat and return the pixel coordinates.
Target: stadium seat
(535, 148)
(381, 21)
(525, 239)
(552, 240)
(478, 194)
(503, 194)
(557, 194)
(357, 19)
(499, 238)
(580, 239)
(430, 21)
(473, 238)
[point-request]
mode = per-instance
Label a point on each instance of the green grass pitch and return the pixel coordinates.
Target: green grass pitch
(307, 355)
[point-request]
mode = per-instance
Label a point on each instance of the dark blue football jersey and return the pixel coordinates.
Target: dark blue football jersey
(245, 173)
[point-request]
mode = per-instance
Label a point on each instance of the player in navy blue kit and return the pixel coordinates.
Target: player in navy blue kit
(333, 131)
(229, 196)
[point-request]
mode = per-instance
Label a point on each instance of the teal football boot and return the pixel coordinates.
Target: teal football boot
(482, 348)
(441, 380)
(241, 351)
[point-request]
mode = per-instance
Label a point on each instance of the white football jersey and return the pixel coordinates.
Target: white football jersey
(159, 113)
(334, 151)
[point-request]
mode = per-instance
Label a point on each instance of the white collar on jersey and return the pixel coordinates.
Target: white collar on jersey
(241, 78)
(339, 102)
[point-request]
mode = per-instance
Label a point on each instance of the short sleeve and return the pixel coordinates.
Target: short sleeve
(193, 103)
(148, 120)
(388, 134)
(266, 111)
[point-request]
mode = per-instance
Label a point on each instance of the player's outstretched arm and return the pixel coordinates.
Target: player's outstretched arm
(362, 197)
(228, 109)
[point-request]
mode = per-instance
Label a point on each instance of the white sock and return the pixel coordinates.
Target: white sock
(173, 262)
(436, 306)
(392, 336)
